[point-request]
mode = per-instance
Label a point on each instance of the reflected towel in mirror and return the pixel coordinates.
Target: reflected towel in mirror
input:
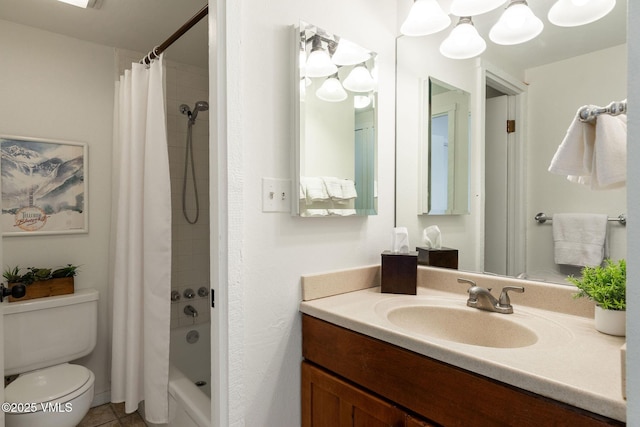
(580, 239)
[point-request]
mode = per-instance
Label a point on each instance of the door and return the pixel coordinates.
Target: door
(496, 207)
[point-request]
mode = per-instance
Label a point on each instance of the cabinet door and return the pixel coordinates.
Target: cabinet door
(415, 422)
(328, 401)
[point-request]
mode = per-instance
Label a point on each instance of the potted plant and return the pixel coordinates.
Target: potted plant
(42, 282)
(606, 285)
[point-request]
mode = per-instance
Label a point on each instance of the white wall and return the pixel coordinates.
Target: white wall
(268, 252)
(556, 91)
(62, 88)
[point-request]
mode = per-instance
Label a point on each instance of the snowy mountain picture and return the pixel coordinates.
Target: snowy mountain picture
(43, 186)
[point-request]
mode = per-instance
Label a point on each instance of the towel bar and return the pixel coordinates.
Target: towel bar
(541, 218)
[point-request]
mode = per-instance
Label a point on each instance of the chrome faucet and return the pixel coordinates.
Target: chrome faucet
(482, 299)
(190, 311)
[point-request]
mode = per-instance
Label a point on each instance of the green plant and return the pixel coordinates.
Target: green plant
(606, 285)
(12, 275)
(68, 271)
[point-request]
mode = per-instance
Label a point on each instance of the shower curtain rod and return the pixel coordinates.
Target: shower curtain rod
(155, 53)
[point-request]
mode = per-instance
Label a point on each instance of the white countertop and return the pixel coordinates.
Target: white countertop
(583, 369)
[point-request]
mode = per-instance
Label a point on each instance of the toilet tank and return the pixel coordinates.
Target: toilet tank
(47, 331)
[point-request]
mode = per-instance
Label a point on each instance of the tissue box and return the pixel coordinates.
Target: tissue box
(443, 257)
(399, 273)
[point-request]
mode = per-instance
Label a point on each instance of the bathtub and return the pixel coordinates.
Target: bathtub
(189, 404)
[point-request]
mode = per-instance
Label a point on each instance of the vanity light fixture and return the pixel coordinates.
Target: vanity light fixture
(517, 25)
(348, 53)
(464, 41)
(474, 7)
(361, 101)
(319, 62)
(359, 80)
(331, 90)
(571, 13)
(425, 17)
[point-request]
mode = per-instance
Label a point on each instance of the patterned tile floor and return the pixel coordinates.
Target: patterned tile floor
(111, 415)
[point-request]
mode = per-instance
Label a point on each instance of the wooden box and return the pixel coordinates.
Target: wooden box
(443, 257)
(399, 273)
(46, 288)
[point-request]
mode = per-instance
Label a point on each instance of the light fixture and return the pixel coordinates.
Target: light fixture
(331, 90)
(349, 53)
(517, 24)
(359, 80)
(571, 13)
(474, 7)
(464, 41)
(80, 3)
(319, 62)
(361, 101)
(425, 17)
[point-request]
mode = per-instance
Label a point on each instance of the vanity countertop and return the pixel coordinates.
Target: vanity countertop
(584, 370)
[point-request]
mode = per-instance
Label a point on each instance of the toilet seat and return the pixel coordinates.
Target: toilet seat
(59, 383)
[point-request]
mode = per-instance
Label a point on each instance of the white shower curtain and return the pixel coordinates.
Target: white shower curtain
(141, 247)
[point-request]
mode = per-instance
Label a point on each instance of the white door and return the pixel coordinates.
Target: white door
(496, 208)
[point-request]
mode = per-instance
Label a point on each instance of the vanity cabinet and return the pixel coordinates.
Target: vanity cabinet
(345, 372)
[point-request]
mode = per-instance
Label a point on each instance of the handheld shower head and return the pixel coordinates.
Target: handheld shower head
(200, 106)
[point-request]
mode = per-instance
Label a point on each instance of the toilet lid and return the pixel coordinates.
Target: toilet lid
(47, 384)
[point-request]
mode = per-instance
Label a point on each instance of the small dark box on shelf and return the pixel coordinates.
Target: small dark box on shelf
(399, 273)
(443, 257)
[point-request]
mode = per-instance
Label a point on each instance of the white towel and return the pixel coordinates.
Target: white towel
(342, 212)
(314, 212)
(315, 189)
(580, 239)
(594, 154)
(348, 189)
(334, 187)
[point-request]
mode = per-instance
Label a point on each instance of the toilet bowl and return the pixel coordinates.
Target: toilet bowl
(58, 396)
(49, 391)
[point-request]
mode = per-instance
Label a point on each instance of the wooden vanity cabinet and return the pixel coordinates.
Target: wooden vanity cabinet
(350, 379)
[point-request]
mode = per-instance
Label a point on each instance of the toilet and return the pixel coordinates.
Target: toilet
(41, 337)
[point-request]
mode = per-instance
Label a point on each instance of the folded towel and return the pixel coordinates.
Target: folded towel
(594, 154)
(580, 239)
(342, 212)
(315, 189)
(303, 191)
(348, 189)
(314, 212)
(334, 187)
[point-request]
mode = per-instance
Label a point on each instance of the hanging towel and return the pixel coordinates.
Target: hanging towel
(594, 154)
(574, 156)
(580, 239)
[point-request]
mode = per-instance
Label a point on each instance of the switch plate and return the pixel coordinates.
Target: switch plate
(276, 195)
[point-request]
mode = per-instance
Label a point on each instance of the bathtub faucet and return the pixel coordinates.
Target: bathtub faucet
(190, 311)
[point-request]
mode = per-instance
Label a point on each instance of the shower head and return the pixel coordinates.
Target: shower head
(200, 106)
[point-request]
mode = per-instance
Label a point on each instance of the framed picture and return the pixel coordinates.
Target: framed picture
(44, 186)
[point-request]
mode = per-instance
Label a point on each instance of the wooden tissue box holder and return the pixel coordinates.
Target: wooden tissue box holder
(443, 257)
(399, 273)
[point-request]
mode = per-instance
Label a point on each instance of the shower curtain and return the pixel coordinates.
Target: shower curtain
(141, 243)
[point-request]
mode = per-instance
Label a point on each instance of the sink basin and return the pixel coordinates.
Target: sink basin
(467, 326)
(453, 321)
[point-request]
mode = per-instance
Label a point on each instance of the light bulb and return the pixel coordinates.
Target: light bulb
(425, 17)
(359, 80)
(463, 42)
(517, 25)
(360, 101)
(319, 64)
(349, 53)
(571, 13)
(331, 91)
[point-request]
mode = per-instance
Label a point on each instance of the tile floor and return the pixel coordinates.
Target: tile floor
(111, 415)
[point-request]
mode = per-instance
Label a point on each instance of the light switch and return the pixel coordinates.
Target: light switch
(276, 195)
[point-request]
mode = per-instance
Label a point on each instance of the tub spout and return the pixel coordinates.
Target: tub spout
(190, 311)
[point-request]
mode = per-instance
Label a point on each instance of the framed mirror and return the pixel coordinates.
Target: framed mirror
(445, 178)
(335, 149)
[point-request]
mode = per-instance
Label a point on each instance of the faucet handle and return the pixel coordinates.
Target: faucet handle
(504, 300)
(467, 281)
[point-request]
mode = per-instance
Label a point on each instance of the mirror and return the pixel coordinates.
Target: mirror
(335, 153)
(447, 163)
(545, 81)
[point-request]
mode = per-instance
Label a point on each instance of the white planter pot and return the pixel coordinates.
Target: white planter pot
(612, 322)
